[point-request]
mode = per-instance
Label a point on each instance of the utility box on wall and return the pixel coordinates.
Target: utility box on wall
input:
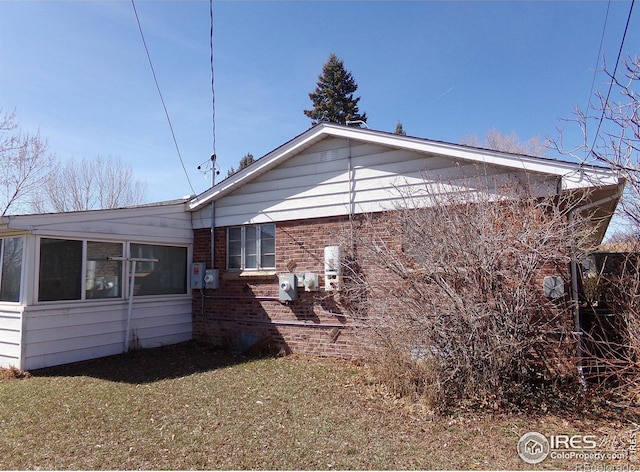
(332, 275)
(211, 278)
(197, 275)
(308, 281)
(287, 284)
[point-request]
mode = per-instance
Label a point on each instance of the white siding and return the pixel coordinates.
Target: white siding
(62, 333)
(10, 335)
(322, 181)
(40, 335)
(159, 223)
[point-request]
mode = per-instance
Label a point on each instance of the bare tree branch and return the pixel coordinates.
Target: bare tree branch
(617, 144)
(91, 184)
(24, 164)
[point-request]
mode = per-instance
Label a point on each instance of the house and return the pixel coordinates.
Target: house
(272, 231)
(267, 238)
(65, 291)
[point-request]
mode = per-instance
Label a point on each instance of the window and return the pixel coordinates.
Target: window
(251, 247)
(11, 254)
(85, 270)
(166, 276)
(60, 270)
(103, 276)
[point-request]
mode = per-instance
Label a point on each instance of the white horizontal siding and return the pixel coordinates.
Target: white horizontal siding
(10, 336)
(163, 223)
(317, 183)
(62, 333)
(328, 143)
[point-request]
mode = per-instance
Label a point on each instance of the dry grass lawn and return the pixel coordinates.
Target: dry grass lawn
(191, 407)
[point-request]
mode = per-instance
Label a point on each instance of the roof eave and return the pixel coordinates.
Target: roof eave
(573, 175)
(259, 167)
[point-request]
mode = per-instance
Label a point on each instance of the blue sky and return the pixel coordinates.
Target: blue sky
(78, 72)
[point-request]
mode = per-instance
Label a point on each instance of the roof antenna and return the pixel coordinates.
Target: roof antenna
(205, 169)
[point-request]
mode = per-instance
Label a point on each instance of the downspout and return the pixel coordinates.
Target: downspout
(574, 279)
(351, 201)
(213, 212)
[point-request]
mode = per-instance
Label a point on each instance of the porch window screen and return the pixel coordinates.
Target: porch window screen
(62, 263)
(251, 247)
(11, 253)
(103, 277)
(60, 270)
(166, 276)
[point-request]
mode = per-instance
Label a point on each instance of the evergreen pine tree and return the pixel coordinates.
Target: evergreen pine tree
(246, 161)
(333, 99)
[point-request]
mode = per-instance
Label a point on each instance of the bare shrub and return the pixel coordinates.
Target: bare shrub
(610, 129)
(610, 313)
(13, 373)
(452, 294)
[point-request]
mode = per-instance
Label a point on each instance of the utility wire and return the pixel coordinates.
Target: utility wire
(615, 69)
(213, 92)
(595, 70)
(155, 79)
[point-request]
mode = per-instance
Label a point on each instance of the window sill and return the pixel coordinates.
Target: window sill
(255, 274)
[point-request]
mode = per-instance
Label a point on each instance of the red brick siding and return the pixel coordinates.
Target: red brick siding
(247, 308)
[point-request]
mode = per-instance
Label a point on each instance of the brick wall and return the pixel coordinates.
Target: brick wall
(245, 308)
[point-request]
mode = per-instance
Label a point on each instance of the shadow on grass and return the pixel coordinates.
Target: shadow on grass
(148, 365)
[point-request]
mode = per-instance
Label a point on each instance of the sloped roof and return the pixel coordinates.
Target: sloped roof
(573, 175)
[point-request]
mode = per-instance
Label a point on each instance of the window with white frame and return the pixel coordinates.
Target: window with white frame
(167, 275)
(251, 247)
(11, 272)
(60, 275)
(78, 270)
(103, 275)
(83, 270)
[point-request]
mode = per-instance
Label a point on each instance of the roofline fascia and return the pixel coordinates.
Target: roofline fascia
(572, 173)
(9, 222)
(257, 168)
(469, 153)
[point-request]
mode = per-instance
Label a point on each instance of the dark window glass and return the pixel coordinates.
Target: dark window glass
(11, 250)
(60, 270)
(166, 276)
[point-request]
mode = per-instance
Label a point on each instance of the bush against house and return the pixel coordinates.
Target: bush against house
(610, 316)
(453, 294)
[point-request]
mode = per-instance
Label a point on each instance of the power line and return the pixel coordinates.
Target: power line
(213, 95)
(155, 79)
(210, 164)
(213, 92)
(615, 69)
(595, 70)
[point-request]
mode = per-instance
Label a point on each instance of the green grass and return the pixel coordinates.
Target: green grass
(191, 407)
